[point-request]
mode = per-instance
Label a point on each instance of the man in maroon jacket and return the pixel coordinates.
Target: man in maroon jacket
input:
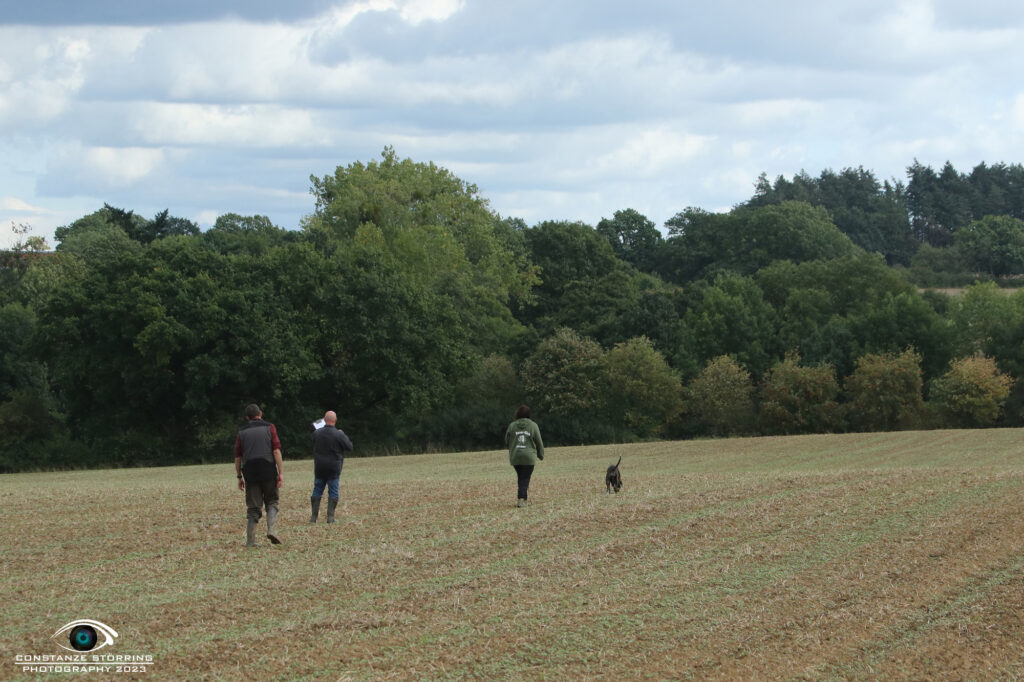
(259, 470)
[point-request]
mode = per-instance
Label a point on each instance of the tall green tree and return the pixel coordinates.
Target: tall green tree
(657, 314)
(835, 311)
(794, 231)
(645, 393)
(583, 285)
(237, 234)
(749, 239)
(933, 266)
(697, 245)
(872, 214)
(993, 245)
(135, 227)
(901, 321)
(174, 339)
(30, 419)
(926, 219)
(391, 347)
(983, 318)
(18, 368)
(437, 228)
(634, 238)
(567, 385)
(483, 403)
(731, 316)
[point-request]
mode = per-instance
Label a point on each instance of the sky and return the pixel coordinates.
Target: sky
(554, 109)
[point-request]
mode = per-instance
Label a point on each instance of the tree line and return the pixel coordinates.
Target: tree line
(423, 317)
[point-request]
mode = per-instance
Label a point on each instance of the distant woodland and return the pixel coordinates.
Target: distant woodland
(404, 302)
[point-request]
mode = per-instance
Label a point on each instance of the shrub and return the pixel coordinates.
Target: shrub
(797, 399)
(721, 398)
(972, 393)
(885, 392)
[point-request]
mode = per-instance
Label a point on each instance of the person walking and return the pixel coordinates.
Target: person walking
(260, 472)
(525, 448)
(329, 446)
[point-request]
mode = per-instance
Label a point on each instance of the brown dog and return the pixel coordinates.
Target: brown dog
(612, 478)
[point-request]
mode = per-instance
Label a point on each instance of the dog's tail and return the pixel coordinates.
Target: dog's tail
(619, 462)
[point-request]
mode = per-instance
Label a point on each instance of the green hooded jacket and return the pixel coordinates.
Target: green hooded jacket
(522, 437)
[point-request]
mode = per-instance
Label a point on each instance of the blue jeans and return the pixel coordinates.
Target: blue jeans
(330, 483)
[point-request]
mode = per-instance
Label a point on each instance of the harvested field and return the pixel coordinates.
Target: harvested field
(860, 556)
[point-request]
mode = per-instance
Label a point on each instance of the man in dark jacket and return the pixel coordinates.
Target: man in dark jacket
(329, 446)
(259, 470)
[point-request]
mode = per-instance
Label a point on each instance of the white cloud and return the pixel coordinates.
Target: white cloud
(122, 166)
(40, 85)
(418, 11)
(88, 170)
(536, 205)
(207, 217)
(16, 205)
(911, 31)
(249, 125)
(44, 72)
(775, 112)
(654, 152)
(1018, 113)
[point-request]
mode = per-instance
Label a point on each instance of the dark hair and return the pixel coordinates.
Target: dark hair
(252, 411)
(523, 412)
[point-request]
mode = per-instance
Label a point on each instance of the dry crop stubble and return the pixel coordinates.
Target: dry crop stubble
(856, 556)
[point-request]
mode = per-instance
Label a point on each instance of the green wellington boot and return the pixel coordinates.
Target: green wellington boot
(331, 504)
(314, 505)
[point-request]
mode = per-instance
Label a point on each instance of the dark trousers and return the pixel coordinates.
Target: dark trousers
(523, 473)
(258, 494)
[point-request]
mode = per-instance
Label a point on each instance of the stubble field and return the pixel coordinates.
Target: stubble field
(863, 556)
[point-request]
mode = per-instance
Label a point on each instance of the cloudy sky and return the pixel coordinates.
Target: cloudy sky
(555, 109)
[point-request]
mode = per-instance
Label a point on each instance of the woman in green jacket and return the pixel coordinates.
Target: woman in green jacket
(522, 438)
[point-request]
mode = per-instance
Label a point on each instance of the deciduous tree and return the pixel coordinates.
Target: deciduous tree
(645, 394)
(797, 399)
(972, 393)
(885, 392)
(567, 385)
(721, 398)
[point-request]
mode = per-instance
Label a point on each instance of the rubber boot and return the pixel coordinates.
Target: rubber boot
(272, 525)
(250, 533)
(331, 505)
(314, 505)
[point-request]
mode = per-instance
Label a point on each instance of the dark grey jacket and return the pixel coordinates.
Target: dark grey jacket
(256, 442)
(329, 446)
